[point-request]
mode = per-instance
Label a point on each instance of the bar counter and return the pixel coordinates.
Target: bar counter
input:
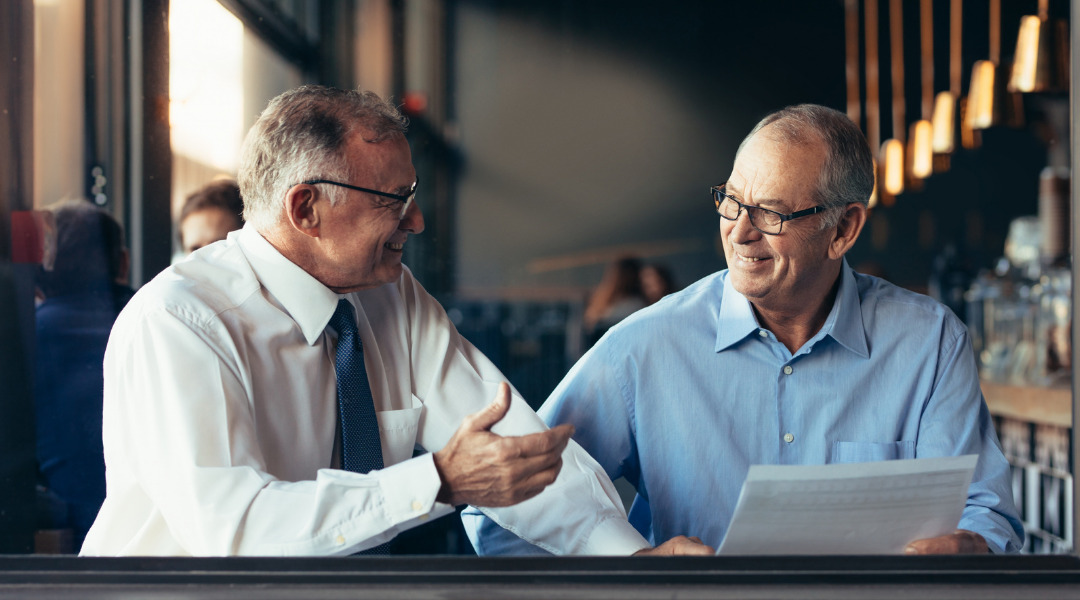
(983, 577)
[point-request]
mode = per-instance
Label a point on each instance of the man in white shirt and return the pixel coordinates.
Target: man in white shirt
(221, 421)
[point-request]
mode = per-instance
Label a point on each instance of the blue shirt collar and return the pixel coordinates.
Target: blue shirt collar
(736, 318)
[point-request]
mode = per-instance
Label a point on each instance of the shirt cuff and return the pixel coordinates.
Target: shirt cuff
(409, 489)
(614, 537)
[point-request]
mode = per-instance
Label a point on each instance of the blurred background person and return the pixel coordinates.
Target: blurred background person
(656, 282)
(616, 297)
(79, 299)
(209, 214)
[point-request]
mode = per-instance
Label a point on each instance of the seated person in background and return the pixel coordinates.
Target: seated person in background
(209, 214)
(79, 300)
(616, 297)
(264, 396)
(786, 357)
(656, 282)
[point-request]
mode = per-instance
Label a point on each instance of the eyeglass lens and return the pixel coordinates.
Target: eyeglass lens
(762, 219)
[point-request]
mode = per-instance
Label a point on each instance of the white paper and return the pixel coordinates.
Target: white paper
(857, 508)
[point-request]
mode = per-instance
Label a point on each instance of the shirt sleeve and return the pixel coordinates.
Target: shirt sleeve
(580, 513)
(955, 422)
(179, 424)
(602, 435)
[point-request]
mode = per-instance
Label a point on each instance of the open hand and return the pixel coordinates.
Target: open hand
(481, 468)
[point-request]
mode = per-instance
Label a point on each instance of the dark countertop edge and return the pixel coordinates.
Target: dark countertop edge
(450, 570)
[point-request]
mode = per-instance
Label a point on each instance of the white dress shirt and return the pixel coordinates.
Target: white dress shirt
(221, 410)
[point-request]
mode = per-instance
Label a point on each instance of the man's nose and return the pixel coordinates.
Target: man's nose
(742, 231)
(413, 221)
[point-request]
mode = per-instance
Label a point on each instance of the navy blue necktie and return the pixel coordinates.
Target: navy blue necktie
(361, 449)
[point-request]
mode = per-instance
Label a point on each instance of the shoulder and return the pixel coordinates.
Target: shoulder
(885, 304)
(197, 289)
(694, 305)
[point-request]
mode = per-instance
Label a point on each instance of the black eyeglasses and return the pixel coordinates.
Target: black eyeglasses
(764, 220)
(405, 199)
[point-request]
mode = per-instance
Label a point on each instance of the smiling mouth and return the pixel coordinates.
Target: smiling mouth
(393, 246)
(749, 259)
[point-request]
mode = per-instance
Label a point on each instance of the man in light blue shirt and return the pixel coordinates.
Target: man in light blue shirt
(786, 357)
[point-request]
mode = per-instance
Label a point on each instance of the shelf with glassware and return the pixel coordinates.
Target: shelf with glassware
(1020, 319)
(1021, 330)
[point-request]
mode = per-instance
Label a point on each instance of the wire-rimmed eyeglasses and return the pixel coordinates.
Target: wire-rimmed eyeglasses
(764, 220)
(406, 199)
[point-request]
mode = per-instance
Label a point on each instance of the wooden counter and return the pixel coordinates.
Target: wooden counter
(1042, 405)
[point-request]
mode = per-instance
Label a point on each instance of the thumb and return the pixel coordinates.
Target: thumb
(494, 412)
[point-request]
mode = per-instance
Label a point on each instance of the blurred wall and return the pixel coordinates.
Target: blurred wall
(588, 128)
(592, 127)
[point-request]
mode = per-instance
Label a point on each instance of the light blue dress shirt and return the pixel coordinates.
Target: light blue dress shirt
(682, 397)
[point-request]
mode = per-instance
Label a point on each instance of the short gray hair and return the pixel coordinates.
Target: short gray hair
(847, 177)
(302, 135)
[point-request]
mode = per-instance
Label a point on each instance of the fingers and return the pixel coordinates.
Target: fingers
(531, 485)
(553, 440)
(492, 413)
(679, 546)
(960, 541)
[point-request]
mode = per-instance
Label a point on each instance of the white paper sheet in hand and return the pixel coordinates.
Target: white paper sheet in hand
(858, 508)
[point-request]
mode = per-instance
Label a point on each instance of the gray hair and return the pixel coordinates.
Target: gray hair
(847, 177)
(302, 135)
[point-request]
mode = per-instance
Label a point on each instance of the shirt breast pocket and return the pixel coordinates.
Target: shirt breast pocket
(852, 452)
(398, 431)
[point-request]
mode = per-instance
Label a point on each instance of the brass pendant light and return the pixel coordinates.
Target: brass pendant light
(983, 100)
(945, 103)
(892, 151)
(920, 139)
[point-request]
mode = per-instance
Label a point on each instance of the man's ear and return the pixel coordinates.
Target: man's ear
(847, 230)
(302, 210)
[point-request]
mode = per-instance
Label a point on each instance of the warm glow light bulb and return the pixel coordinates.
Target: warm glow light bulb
(980, 107)
(922, 150)
(944, 117)
(892, 152)
(1027, 53)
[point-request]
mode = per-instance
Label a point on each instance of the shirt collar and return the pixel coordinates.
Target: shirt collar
(845, 323)
(736, 318)
(304, 298)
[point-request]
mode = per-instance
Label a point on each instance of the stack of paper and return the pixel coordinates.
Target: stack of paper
(860, 508)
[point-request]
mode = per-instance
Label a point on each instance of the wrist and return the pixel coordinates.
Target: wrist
(443, 495)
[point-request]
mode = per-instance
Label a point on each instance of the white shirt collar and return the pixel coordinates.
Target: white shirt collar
(304, 298)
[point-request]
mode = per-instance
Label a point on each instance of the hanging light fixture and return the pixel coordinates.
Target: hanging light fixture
(873, 102)
(892, 151)
(920, 139)
(1032, 34)
(1041, 56)
(922, 152)
(945, 103)
(851, 70)
(983, 102)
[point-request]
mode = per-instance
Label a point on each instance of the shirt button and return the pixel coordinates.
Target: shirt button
(787, 370)
(789, 438)
(339, 540)
(416, 506)
(763, 333)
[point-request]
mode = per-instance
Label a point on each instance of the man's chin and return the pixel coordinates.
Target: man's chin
(751, 287)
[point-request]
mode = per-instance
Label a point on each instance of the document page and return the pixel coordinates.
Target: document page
(858, 508)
